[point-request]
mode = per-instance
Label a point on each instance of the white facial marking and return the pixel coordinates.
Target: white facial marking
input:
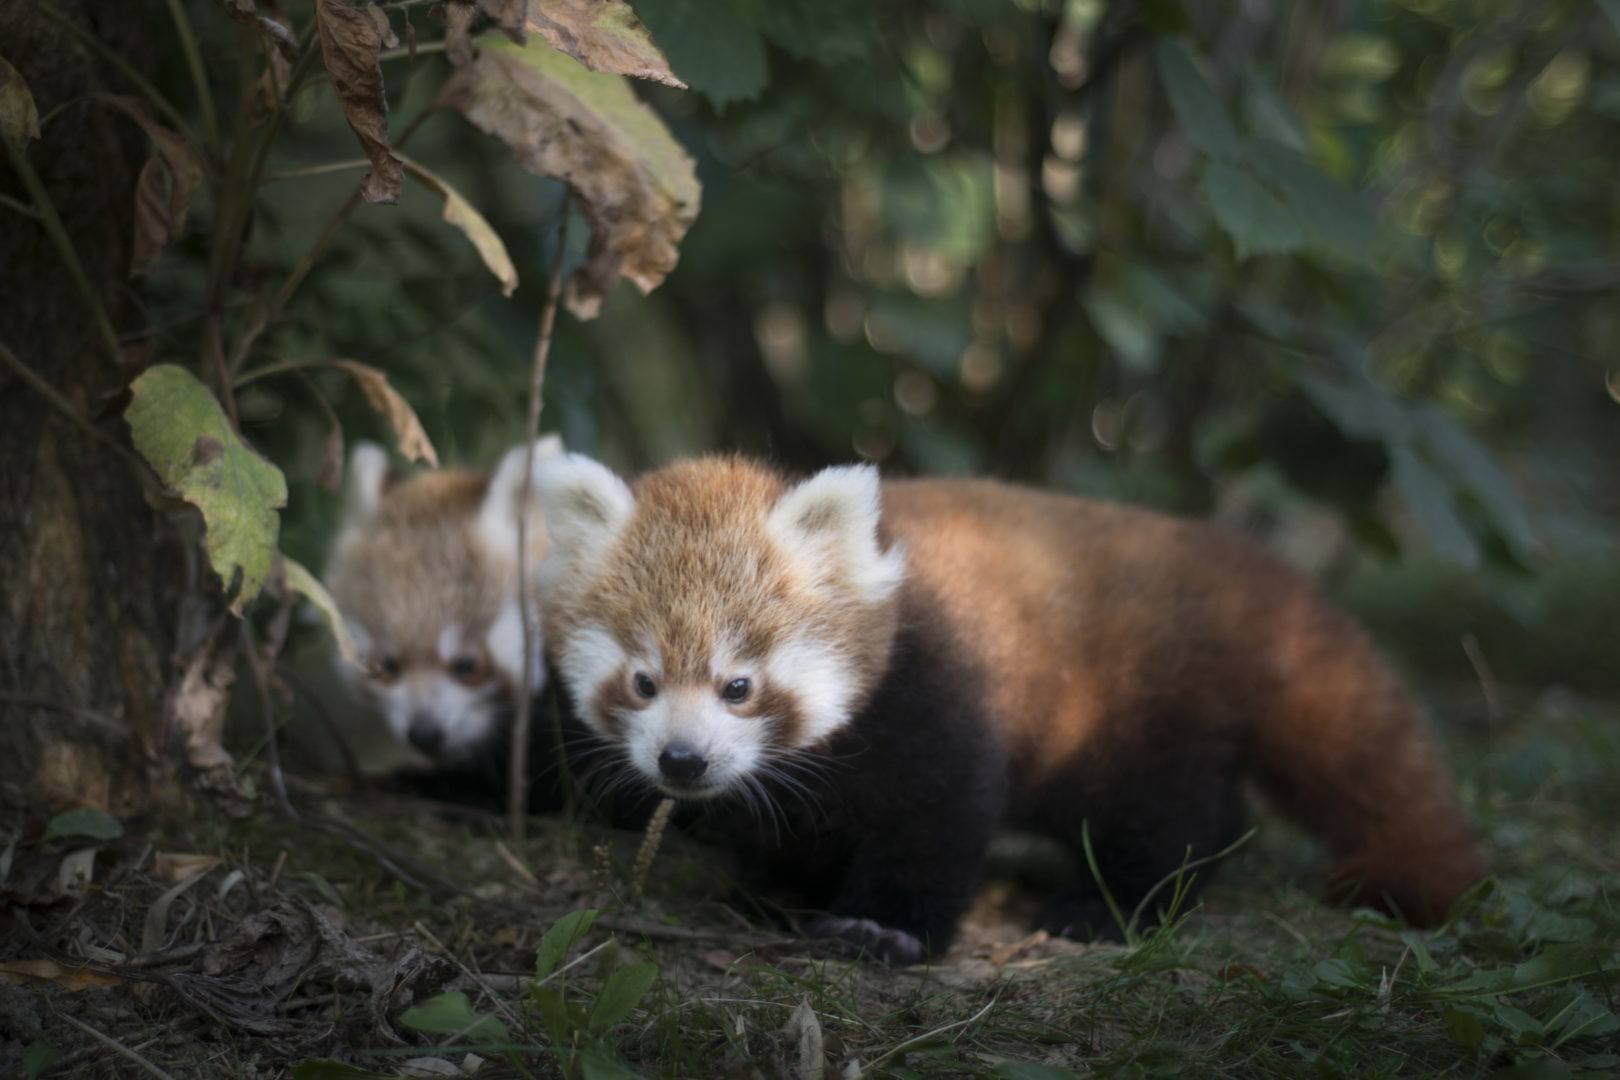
(449, 643)
(828, 526)
(819, 678)
(731, 745)
(589, 657)
(464, 715)
(504, 643)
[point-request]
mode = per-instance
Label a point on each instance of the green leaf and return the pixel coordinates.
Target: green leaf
(714, 45)
(179, 428)
(460, 213)
(1555, 964)
(19, 118)
(1336, 220)
(334, 1070)
(1270, 117)
(1029, 1070)
(1611, 8)
(1472, 465)
(1420, 951)
(623, 991)
(305, 584)
(600, 1063)
(553, 1009)
(1464, 1026)
(1204, 119)
(1433, 503)
(556, 942)
(452, 1014)
(1251, 215)
(39, 1055)
(85, 821)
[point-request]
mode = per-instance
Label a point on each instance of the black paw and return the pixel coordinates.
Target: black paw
(1086, 919)
(894, 947)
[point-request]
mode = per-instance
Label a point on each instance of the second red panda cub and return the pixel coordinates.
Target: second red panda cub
(873, 676)
(424, 569)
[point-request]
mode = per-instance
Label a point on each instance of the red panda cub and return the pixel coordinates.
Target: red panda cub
(864, 679)
(424, 569)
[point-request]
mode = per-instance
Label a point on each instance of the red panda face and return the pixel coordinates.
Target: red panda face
(717, 623)
(425, 573)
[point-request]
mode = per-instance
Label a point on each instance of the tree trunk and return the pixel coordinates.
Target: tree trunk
(86, 623)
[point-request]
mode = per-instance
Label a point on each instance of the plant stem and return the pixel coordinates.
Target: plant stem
(274, 369)
(316, 170)
(518, 780)
(19, 207)
(64, 406)
(199, 74)
(51, 222)
(422, 48)
(124, 67)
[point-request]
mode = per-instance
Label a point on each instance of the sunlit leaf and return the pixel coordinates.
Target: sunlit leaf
(460, 213)
(350, 42)
(179, 428)
(1251, 215)
(85, 821)
(413, 438)
(19, 118)
(305, 584)
(452, 1014)
(633, 182)
(621, 993)
(714, 45)
(604, 35)
(1204, 119)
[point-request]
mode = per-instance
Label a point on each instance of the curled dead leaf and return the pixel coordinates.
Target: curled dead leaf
(163, 192)
(604, 35)
(508, 15)
(634, 183)
(458, 20)
(385, 29)
(277, 32)
(44, 970)
(460, 213)
(305, 584)
(350, 42)
(19, 118)
(413, 439)
(197, 708)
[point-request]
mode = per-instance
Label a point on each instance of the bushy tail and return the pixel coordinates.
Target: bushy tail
(1344, 749)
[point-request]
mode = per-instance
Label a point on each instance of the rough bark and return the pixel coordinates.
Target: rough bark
(84, 627)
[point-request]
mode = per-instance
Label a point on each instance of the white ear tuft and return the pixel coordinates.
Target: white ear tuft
(498, 516)
(586, 507)
(829, 526)
(367, 477)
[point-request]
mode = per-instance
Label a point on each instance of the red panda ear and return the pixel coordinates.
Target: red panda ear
(365, 481)
(586, 507)
(498, 515)
(828, 526)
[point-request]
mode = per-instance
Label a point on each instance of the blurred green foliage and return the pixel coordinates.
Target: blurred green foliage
(1258, 259)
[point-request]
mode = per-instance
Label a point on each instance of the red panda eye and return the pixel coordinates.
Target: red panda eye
(645, 686)
(465, 668)
(387, 668)
(736, 691)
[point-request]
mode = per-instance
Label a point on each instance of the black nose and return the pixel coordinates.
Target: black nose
(682, 761)
(426, 736)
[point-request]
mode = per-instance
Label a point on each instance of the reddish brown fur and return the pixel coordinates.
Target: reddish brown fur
(1080, 609)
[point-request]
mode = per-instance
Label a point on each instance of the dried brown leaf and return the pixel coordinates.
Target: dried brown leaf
(156, 926)
(458, 20)
(163, 192)
(19, 118)
(174, 867)
(385, 29)
(330, 478)
(413, 439)
(197, 708)
(277, 32)
(44, 970)
(460, 213)
(349, 45)
(507, 15)
(634, 183)
(604, 35)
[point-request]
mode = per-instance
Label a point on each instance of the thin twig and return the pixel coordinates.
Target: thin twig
(17, 206)
(478, 980)
(517, 805)
(51, 222)
(125, 68)
(1487, 680)
(116, 1046)
(261, 682)
(917, 1040)
(66, 407)
(199, 74)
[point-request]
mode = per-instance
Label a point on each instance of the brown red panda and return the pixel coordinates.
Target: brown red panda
(424, 569)
(864, 679)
